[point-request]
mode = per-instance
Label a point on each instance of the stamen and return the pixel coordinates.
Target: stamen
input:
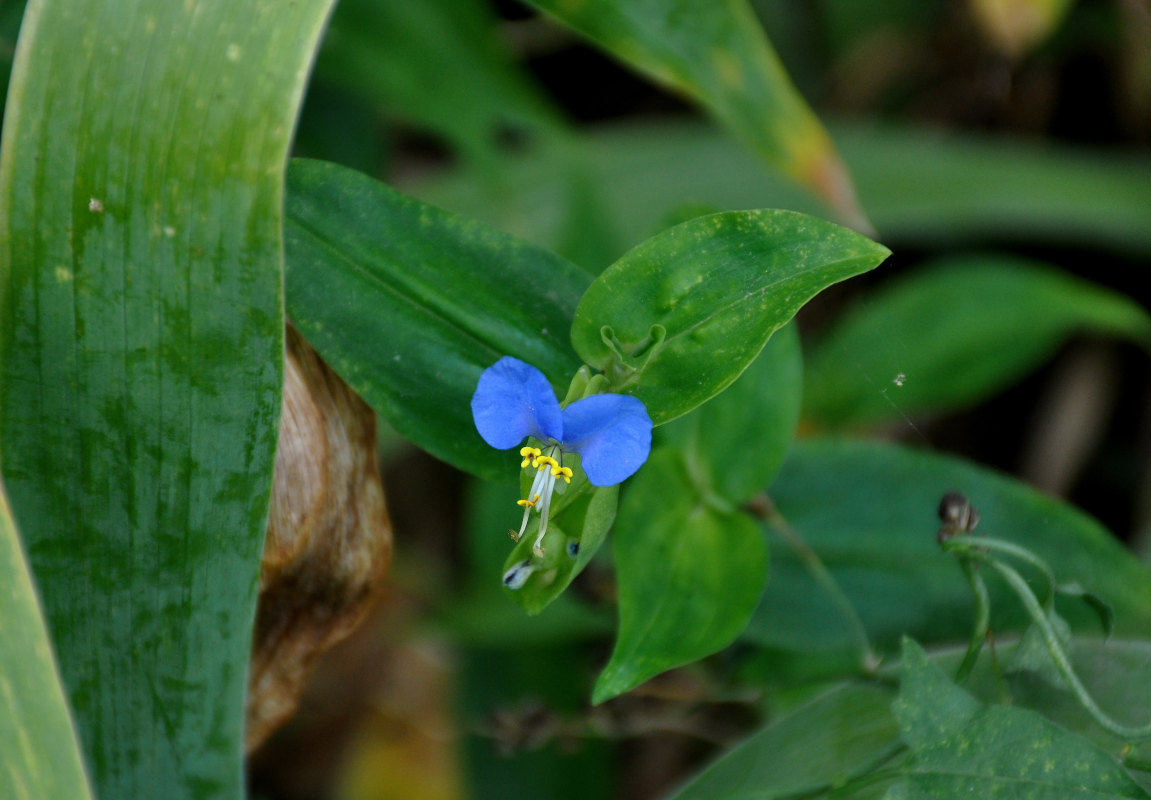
(529, 454)
(545, 505)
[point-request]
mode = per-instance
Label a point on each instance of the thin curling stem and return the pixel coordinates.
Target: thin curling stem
(982, 620)
(1039, 617)
(966, 546)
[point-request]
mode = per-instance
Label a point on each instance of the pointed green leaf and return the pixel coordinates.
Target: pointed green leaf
(141, 348)
(39, 753)
(689, 576)
(679, 317)
(878, 539)
(735, 442)
(934, 340)
(717, 54)
(965, 749)
(409, 304)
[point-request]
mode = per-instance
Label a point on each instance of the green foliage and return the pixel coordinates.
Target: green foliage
(147, 255)
(39, 755)
(141, 334)
(962, 747)
(717, 54)
(880, 545)
(734, 443)
(399, 298)
(963, 188)
(437, 63)
(682, 595)
(679, 317)
(849, 729)
(935, 339)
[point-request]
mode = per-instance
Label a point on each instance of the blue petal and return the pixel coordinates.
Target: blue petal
(612, 434)
(514, 400)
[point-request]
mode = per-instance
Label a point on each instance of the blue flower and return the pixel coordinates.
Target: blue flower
(610, 432)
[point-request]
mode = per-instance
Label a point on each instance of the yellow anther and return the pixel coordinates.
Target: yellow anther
(527, 503)
(565, 473)
(530, 454)
(546, 461)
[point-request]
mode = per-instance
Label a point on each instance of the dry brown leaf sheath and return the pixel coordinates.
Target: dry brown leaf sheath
(329, 539)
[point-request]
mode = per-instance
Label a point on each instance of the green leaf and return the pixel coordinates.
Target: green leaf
(437, 62)
(735, 442)
(717, 54)
(409, 304)
(580, 520)
(934, 340)
(878, 541)
(840, 737)
(1096, 603)
(141, 349)
(1032, 655)
(39, 754)
(1115, 672)
(679, 317)
(964, 188)
(844, 731)
(689, 576)
(963, 748)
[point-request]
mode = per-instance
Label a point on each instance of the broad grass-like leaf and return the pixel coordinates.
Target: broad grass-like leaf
(819, 744)
(141, 349)
(679, 317)
(936, 339)
(410, 304)
(717, 54)
(920, 188)
(689, 576)
(878, 539)
(964, 749)
(734, 443)
(39, 753)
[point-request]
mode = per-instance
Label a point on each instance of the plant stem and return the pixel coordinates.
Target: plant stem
(982, 620)
(1043, 623)
(818, 570)
(966, 545)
